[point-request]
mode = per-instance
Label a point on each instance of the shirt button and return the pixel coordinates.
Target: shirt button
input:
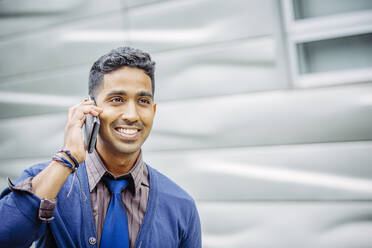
(92, 240)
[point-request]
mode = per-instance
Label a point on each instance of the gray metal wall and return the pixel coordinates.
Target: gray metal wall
(273, 156)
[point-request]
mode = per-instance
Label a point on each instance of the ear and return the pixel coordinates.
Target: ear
(154, 106)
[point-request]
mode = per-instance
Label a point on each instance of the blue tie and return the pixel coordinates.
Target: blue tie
(115, 229)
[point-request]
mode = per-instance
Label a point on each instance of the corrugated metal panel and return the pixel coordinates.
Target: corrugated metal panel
(286, 224)
(271, 118)
(295, 172)
(319, 172)
(178, 24)
(93, 36)
(280, 168)
(223, 69)
(57, 47)
(22, 16)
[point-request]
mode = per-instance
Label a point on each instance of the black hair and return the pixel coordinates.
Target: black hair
(117, 58)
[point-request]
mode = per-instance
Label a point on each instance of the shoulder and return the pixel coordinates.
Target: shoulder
(168, 190)
(176, 206)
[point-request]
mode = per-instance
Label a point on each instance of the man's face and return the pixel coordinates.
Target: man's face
(128, 110)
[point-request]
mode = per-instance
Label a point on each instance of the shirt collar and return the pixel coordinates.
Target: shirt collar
(96, 170)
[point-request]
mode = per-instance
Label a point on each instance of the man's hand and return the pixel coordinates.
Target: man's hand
(73, 139)
(49, 181)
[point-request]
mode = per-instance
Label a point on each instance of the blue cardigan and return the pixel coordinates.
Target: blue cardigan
(171, 219)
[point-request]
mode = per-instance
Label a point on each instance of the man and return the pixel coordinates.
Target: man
(46, 204)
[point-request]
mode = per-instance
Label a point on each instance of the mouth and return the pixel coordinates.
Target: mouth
(127, 133)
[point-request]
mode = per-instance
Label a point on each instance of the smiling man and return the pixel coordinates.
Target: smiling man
(117, 200)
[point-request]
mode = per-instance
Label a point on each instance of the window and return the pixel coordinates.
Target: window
(329, 41)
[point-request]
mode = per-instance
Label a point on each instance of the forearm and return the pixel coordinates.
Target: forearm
(49, 181)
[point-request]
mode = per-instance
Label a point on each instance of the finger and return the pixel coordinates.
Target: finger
(88, 109)
(87, 102)
(92, 103)
(94, 113)
(76, 107)
(97, 110)
(82, 121)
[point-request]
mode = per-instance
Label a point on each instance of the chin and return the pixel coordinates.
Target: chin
(128, 149)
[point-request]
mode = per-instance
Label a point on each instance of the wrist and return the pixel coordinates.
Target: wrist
(72, 154)
(65, 158)
(71, 157)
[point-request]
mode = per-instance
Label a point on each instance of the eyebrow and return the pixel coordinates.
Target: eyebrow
(145, 93)
(124, 93)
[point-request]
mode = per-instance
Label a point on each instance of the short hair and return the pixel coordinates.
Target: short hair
(117, 58)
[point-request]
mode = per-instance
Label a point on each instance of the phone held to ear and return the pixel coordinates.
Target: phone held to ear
(90, 130)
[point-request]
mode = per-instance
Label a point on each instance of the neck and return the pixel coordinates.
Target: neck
(115, 162)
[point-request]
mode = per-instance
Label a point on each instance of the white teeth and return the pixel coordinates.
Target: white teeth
(127, 131)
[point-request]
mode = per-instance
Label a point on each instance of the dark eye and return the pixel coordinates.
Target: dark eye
(116, 99)
(144, 100)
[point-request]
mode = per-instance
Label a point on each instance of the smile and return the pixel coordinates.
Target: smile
(127, 133)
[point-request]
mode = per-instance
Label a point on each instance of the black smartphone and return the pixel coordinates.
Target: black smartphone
(90, 130)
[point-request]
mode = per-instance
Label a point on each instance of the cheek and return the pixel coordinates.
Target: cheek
(105, 118)
(147, 117)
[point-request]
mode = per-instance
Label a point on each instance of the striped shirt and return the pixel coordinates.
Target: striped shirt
(135, 195)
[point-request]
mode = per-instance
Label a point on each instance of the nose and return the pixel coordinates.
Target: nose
(130, 112)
